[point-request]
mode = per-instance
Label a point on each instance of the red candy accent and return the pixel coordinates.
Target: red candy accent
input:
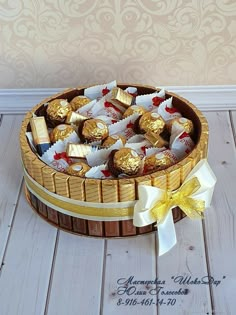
(143, 148)
(62, 155)
(113, 121)
(145, 169)
(156, 101)
(106, 173)
(57, 156)
(130, 125)
(184, 135)
(171, 110)
(105, 91)
(108, 104)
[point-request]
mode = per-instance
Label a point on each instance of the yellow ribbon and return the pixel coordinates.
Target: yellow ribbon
(181, 197)
(81, 209)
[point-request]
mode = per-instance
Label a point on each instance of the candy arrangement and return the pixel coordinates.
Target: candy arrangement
(109, 132)
(96, 160)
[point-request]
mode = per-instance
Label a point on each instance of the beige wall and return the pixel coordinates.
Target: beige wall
(60, 43)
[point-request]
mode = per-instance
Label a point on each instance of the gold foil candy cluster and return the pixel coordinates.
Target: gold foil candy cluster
(125, 161)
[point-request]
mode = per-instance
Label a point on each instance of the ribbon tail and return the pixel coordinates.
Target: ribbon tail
(142, 218)
(166, 234)
(147, 196)
(193, 208)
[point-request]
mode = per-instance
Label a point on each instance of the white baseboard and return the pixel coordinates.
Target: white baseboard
(206, 98)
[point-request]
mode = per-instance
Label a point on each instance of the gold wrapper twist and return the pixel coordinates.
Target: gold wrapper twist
(134, 109)
(58, 109)
(156, 161)
(79, 101)
(151, 122)
(61, 132)
(126, 161)
(110, 140)
(181, 123)
(93, 130)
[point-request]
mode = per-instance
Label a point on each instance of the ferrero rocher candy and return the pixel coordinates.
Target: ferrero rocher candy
(57, 110)
(79, 101)
(156, 162)
(61, 132)
(181, 124)
(151, 122)
(110, 140)
(134, 109)
(92, 130)
(78, 169)
(124, 161)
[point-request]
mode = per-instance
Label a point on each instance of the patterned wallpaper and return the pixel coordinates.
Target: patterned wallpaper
(64, 43)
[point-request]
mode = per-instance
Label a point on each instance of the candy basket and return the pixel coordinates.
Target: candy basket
(49, 192)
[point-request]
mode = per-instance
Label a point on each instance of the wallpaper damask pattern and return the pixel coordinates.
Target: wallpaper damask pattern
(62, 43)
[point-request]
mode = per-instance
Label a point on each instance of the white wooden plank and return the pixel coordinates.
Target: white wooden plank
(27, 263)
(233, 121)
(125, 258)
(77, 276)
(220, 219)
(11, 174)
(186, 260)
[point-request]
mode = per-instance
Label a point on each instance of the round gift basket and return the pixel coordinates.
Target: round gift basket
(49, 191)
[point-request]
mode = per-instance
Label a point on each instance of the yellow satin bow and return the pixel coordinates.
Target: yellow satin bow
(191, 207)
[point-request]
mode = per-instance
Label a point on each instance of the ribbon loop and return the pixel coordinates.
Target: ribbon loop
(181, 198)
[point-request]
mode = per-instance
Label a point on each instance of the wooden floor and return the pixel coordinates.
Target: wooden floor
(46, 271)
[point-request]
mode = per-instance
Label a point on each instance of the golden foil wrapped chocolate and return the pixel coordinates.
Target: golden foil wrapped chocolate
(78, 169)
(75, 118)
(181, 123)
(156, 162)
(57, 110)
(61, 132)
(110, 140)
(79, 101)
(156, 140)
(134, 109)
(78, 150)
(121, 98)
(151, 122)
(93, 130)
(124, 161)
